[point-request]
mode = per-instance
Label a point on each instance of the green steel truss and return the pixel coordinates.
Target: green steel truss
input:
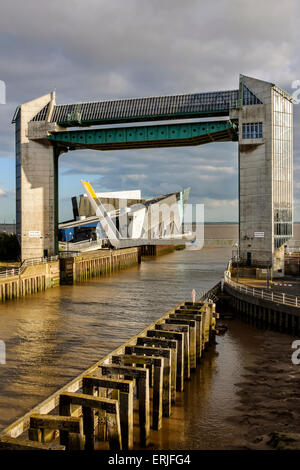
(165, 135)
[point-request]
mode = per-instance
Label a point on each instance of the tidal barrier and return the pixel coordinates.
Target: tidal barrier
(120, 400)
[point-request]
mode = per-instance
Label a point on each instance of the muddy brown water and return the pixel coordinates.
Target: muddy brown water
(53, 336)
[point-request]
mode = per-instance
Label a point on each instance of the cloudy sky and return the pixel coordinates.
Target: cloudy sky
(98, 49)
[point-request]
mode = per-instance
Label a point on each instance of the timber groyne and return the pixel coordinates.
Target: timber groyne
(120, 400)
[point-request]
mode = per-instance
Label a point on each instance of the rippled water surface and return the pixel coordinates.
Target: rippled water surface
(53, 336)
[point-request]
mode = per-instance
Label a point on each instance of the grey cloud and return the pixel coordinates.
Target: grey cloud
(98, 49)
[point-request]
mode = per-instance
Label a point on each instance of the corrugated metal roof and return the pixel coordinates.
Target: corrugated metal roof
(152, 108)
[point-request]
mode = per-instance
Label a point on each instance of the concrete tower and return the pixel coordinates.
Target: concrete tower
(265, 118)
(36, 180)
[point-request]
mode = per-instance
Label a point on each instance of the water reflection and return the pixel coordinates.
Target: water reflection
(52, 336)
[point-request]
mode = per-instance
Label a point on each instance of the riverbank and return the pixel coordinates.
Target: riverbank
(52, 337)
(269, 396)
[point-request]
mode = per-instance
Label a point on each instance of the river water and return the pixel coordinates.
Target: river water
(53, 336)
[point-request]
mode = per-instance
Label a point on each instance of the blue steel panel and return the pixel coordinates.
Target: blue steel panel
(144, 134)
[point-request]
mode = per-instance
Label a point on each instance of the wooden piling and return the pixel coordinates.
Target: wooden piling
(192, 337)
(185, 330)
(182, 314)
(166, 354)
(88, 401)
(142, 377)
(158, 364)
(165, 344)
(13, 443)
(125, 388)
(70, 424)
(179, 337)
(168, 349)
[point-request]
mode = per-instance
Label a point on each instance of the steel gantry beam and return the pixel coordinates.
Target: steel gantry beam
(155, 108)
(164, 135)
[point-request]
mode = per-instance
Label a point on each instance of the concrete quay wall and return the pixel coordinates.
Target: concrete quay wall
(70, 270)
(33, 279)
(263, 313)
(98, 263)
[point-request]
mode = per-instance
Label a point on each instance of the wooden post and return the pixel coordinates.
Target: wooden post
(126, 417)
(158, 363)
(64, 410)
(192, 337)
(180, 352)
(70, 424)
(125, 388)
(102, 421)
(158, 396)
(110, 406)
(193, 315)
(182, 314)
(88, 414)
(114, 430)
(166, 354)
(169, 344)
(142, 377)
(205, 325)
(12, 443)
(181, 329)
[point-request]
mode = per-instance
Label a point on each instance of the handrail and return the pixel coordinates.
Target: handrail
(69, 254)
(282, 298)
(10, 272)
(291, 250)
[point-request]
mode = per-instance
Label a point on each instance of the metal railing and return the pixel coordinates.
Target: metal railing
(69, 254)
(10, 272)
(277, 297)
(292, 249)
